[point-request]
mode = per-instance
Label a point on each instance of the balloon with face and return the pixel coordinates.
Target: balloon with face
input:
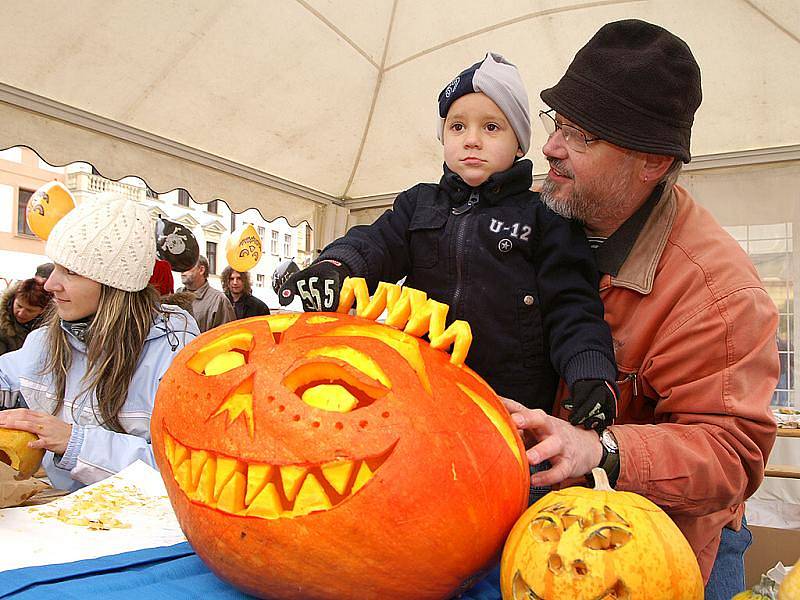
(323, 455)
(243, 248)
(177, 245)
(47, 206)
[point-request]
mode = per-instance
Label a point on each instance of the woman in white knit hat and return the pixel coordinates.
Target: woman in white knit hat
(89, 378)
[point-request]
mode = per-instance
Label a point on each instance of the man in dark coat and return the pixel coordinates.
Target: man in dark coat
(237, 288)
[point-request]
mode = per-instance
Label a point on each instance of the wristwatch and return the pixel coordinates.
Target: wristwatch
(609, 462)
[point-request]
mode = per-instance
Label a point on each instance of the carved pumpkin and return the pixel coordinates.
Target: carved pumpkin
(323, 455)
(599, 544)
(14, 451)
(790, 586)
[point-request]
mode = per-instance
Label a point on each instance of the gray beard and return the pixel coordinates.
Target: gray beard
(608, 206)
(573, 207)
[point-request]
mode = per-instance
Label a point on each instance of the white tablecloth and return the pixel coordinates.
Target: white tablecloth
(776, 503)
(35, 536)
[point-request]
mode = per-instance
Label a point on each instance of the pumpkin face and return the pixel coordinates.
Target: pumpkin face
(322, 455)
(598, 544)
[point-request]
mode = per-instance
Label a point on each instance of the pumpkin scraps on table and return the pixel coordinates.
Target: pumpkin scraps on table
(598, 544)
(330, 456)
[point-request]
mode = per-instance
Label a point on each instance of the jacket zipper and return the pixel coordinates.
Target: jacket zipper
(632, 377)
(474, 198)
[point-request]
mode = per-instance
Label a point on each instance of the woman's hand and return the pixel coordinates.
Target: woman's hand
(53, 433)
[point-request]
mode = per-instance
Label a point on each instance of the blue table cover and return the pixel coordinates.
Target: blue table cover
(169, 572)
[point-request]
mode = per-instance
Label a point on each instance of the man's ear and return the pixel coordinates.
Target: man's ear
(655, 166)
(520, 153)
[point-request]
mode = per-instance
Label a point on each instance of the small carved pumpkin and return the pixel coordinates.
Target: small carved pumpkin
(323, 455)
(790, 586)
(599, 544)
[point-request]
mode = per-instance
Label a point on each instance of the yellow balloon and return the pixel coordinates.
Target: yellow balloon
(47, 206)
(243, 249)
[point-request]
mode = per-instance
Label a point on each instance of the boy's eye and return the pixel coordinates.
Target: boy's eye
(456, 126)
(70, 272)
(492, 127)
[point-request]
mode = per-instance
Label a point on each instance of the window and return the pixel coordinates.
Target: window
(212, 207)
(260, 280)
(273, 243)
(183, 197)
(262, 232)
(308, 239)
(233, 221)
(22, 205)
(770, 249)
(211, 255)
(287, 246)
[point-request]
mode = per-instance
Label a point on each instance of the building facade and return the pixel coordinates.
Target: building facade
(22, 172)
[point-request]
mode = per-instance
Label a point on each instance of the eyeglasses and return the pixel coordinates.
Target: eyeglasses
(574, 137)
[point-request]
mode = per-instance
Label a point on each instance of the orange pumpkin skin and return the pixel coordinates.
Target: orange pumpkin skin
(581, 543)
(446, 482)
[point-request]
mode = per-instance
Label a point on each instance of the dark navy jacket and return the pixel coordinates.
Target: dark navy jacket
(523, 277)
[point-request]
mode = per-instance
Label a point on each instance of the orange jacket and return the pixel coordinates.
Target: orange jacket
(694, 335)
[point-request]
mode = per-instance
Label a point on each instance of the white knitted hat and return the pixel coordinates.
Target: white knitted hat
(108, 239)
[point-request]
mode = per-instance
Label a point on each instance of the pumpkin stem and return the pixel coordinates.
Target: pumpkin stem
(601, 480)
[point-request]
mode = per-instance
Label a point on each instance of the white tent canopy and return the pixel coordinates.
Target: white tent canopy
(308, 108)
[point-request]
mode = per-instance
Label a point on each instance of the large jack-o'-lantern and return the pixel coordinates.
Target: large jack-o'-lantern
(324, 455)
(599, 544)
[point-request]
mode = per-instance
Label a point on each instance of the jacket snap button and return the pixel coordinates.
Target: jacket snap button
(528, 300)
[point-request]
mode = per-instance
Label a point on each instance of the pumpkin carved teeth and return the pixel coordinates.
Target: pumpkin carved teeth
(263, 490)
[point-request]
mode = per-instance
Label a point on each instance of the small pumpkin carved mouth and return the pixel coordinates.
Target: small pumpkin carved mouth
(264, 490)
(522, 591)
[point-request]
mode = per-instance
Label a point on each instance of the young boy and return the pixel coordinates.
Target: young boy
(482, 242)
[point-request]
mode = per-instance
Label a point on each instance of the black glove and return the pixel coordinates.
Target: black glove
(593, 403)
(318, 286)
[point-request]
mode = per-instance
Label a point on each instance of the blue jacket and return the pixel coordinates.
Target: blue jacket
(94, 452)
(522, 277)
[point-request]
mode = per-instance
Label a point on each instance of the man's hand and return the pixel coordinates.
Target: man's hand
(53, 433)
(317, 285)
(572, 451)
(593, 404)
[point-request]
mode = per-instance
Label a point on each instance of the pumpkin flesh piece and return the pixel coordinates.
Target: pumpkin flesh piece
(338, 474)
(330, 397)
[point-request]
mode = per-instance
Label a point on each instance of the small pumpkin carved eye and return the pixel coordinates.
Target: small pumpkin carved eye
(610, 537)
(545, 529)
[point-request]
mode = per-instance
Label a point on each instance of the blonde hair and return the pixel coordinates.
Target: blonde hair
(114, 342)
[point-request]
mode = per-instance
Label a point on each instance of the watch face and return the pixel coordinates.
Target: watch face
(609, 441)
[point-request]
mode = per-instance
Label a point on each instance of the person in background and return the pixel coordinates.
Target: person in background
(43, 272)
(210, 307)
(21, 308)
(237, 288)
(693, 327)
(86, 382)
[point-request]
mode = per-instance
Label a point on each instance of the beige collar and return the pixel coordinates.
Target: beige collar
(639, 269)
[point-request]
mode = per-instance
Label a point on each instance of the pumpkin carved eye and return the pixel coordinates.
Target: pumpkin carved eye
(332, 384)
(610, 537)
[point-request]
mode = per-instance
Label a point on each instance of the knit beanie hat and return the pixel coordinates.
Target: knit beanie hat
(501, 81)
(634, 84)
(108, 239)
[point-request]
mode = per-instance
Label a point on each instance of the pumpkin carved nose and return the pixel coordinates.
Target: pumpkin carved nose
(555, 564)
